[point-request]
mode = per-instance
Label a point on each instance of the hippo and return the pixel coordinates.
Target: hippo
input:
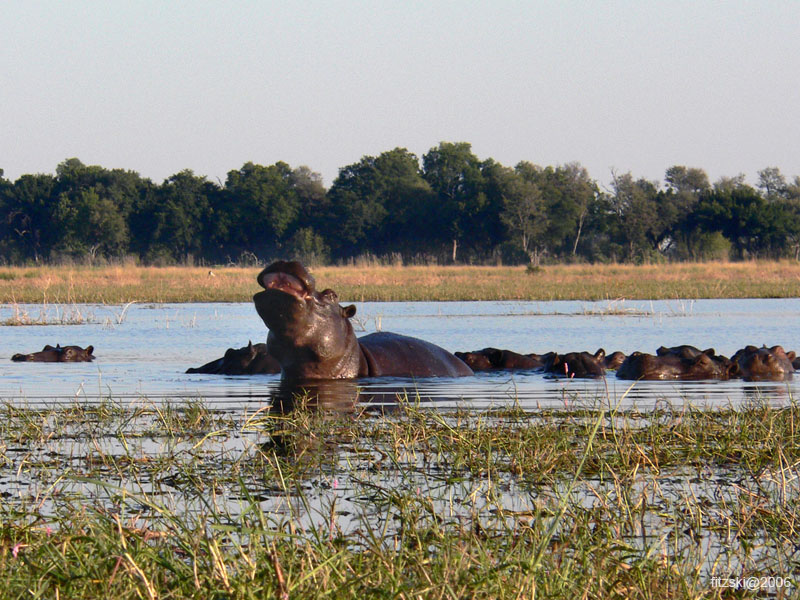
(311, 336)
(684, 351)
(583, 365)
(764, 364)
(252, 359)
(58, 354)
(614, 360)
(493, 358)
(478, 360)
(681, 364)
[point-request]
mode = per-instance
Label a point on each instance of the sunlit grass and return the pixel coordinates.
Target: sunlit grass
(122, 284)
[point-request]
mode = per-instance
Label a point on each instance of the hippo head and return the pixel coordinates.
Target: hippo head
(310, 333)
(614, 360)
(765, 364)
(707, 365)
(77, 354)
(58, 354)
(477, 361)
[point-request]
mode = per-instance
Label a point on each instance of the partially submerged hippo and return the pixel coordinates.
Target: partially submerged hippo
(614, 360)
(57, 354)
(252, 359)
(311, 337)
(685, 351)
(678, 363)
(764, 364)
(492, 358)
(576, 364)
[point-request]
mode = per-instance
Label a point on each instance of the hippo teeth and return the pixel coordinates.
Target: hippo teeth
(284, 282)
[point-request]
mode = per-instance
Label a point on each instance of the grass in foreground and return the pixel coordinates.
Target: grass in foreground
(160, 501)
(122, 284)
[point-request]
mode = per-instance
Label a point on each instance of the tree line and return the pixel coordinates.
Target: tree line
(448, 207)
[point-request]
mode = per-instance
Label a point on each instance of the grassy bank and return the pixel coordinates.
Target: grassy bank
(122, 284)
(157, 501)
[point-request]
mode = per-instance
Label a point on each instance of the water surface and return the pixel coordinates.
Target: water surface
(143, 350)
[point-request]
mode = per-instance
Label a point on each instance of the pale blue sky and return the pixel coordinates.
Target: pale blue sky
(157, 87)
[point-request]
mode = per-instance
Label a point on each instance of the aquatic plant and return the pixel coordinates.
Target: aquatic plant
(182, 500)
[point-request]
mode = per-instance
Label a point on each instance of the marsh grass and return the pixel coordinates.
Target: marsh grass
(46, 314)
(145, 500)
(123, 284)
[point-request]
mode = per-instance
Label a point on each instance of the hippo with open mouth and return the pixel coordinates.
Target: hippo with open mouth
(311, 336)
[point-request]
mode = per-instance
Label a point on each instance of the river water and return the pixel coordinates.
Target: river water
(143, 350)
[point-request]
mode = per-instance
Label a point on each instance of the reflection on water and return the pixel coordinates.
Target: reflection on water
(144, 351)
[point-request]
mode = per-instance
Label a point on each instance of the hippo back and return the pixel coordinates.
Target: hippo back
(394, 355)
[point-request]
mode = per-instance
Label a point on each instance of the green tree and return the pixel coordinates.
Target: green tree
(640, 229)
(753, 225)
(259, 206)
(569, 196)
(309, 247)
(772, 184)
(684, 186)
(177, 217)
(91, 225)
(311, 197)
(93, 208)
(523, 213)
(375, 205)
(455, 176)
(28, 217)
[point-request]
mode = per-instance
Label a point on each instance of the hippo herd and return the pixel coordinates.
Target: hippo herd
(311, 338)
(685, 363)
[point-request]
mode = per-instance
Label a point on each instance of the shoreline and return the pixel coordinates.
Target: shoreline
(120, 284)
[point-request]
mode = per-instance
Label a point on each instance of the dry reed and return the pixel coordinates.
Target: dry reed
(121, 284)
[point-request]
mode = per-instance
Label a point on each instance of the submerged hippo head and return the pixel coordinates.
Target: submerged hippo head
(309, 331)
(679, 364)
(614, 360)
(576, 364)
(764, 364)
(494, 358)
(57, 353)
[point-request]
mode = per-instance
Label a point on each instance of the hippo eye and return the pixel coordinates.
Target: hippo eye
(329, 295)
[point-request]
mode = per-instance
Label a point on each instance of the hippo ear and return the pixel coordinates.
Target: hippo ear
(348, 311)
(702, 358)
(600, 354)
(89, 349)
(710, 352)
(791, 355)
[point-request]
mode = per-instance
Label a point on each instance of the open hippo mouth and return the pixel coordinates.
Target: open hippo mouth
(289, 278)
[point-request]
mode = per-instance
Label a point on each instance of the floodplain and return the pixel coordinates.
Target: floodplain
(127, 478)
